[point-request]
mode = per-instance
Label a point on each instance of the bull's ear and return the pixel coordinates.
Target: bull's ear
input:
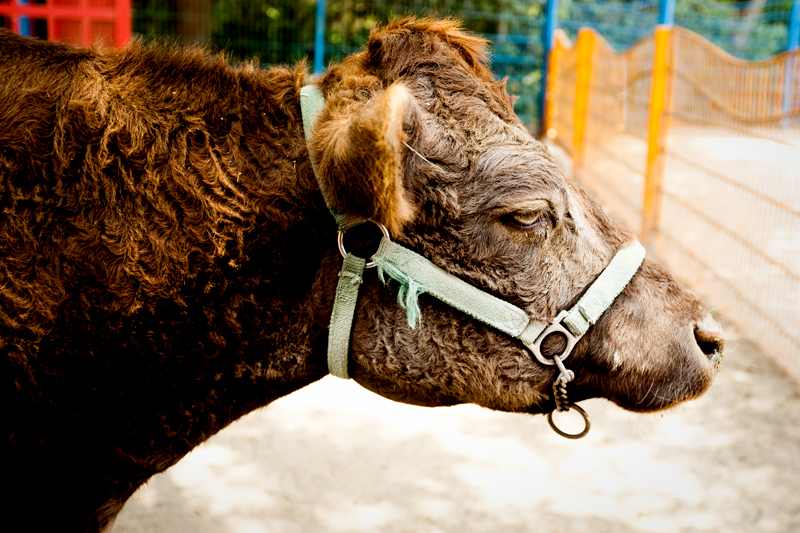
(361, 157)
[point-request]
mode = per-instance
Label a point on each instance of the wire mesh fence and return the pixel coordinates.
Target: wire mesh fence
(561, 92)
(616, 129)
(283, 31)
(621, 23)
(748, 30)
(730, 219)
(725, 170)
(609, 156)
(280, 31)
(273, 31)
(514, 29)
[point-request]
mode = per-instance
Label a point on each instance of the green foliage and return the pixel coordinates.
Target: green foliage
(275, 31)
(513, 27)
(736, 27)
(154, 19)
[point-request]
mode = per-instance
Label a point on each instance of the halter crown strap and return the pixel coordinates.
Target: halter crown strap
(351, 275)
(311, 103)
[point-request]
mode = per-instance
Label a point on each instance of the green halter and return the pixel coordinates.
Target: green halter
(417, 275)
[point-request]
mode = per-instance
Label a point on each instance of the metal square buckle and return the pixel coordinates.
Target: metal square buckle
(555, 327)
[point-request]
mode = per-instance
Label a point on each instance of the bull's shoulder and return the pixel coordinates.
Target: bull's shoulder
(34, 76)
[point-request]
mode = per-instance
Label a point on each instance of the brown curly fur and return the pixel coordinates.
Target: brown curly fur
(161, 235)
(167, 261)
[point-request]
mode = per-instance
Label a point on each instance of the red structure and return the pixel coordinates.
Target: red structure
(81, 22)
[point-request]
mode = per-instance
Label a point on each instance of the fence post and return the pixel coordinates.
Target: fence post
(666, 12)
(319, 38)
(23, 22)
(551, 91)
(788, 68)
(794, 27)
(585, 44)
(86, 26)
(548, 40)
(654, 178)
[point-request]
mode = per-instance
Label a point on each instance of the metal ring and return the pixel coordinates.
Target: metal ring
(340, 241)
(571, 435)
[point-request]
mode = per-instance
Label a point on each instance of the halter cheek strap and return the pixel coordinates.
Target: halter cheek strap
(418, 275)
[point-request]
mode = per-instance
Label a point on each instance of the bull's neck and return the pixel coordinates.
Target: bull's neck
(261, 304)
(291, 247)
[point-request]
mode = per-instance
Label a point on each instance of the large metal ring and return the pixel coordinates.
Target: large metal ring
(571, 435)
(340, 241)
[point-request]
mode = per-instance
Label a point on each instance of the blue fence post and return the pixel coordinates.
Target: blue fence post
(792, 46)
(794, 27)
(548, 40)
(319, 38)
(666, 12)
(24, 22)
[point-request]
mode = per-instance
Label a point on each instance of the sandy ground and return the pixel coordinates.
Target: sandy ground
(334, 457)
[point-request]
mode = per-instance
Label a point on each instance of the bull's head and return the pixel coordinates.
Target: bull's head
(417, 135)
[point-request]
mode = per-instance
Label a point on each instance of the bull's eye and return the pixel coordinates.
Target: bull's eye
(529, 220)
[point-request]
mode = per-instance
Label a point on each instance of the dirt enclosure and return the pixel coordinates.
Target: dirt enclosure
(336, 458)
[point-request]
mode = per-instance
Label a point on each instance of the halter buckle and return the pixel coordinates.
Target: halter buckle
(555, 327)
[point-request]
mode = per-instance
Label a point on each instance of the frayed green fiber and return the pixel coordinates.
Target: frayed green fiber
(408, 295)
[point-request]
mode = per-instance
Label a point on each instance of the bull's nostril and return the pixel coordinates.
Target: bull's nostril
(710, 339)
(709, 347)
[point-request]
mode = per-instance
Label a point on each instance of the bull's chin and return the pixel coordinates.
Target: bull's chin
(659, 397)
(655, 397)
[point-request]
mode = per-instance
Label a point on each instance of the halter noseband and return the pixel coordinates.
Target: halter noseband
(418, 275)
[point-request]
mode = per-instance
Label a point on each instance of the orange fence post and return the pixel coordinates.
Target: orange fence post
(551, 90)
(585, 46)
(654, 178)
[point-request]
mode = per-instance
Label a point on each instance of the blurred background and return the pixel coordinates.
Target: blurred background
(283, 31)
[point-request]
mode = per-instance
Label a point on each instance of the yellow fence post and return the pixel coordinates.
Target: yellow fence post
(551, 90)
(585, 46)
(654, 178)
